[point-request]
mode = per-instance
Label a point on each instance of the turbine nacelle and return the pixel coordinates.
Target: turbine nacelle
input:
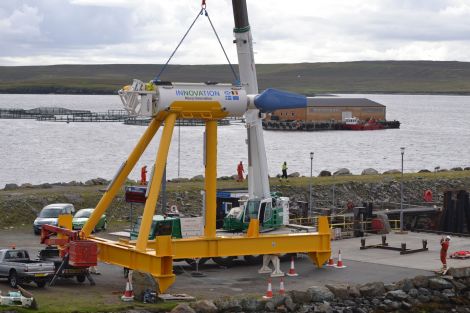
(202, 100)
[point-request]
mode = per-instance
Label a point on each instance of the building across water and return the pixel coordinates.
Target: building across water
(332, 113)
(333, 109)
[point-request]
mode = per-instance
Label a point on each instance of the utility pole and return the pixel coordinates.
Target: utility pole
(334, 190)
(401, 191)
(311, 176)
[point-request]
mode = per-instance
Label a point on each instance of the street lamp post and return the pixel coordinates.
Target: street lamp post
(311, 175)
(333, 200)
(401, 190)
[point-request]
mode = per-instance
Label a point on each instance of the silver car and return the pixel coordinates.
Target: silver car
(50, 214)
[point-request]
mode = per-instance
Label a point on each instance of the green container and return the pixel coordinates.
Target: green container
(161, 226)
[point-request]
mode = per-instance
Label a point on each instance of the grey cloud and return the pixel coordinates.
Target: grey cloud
(57, 31)
(408, 27)
(412, 5)
(53, 25)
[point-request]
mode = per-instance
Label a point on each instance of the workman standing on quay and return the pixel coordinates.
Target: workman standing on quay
(284, 171)
(143, 175)
(444, 247)
(240, 171)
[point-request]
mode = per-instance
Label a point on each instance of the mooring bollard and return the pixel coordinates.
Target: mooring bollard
(384, 240)
(363, 242)
(403, 246)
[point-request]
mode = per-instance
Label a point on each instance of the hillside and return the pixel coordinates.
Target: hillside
(307, 78)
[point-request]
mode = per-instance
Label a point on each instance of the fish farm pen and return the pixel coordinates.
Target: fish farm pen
(146, 121)
(64, 115)
(55, 114)
(35, 113)
(109, 116)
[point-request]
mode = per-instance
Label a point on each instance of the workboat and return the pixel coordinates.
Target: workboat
(353, 123)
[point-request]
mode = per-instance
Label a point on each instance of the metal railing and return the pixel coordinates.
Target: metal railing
(346, 223)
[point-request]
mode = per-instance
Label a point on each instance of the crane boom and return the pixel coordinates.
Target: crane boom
(258, 182)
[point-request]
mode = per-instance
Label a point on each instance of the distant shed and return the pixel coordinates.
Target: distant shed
(333, 109)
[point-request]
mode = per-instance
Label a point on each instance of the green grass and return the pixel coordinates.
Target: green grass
(307, 78)
(89, 303)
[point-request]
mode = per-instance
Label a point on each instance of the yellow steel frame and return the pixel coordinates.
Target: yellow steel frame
(156, 256)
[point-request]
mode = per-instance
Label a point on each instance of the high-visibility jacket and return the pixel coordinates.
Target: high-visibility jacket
(284, 166)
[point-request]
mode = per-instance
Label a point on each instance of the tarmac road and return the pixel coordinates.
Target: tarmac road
(362, 266)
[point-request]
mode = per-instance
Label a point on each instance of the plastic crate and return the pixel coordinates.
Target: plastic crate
(83, 253)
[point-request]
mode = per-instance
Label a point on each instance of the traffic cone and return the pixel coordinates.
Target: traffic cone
(269, 292)
(292, 268)
(340, 264)
(282, 290)
(331, 262)
(129, 293)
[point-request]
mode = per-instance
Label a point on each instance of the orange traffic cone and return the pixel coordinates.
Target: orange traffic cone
(269, 292)
(129, 293)
(282, 290)
(340, 264)
(331, 262)
(292, 268)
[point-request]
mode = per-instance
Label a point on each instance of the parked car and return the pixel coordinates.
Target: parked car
(82, 217)
(50, 215)
(16, 265)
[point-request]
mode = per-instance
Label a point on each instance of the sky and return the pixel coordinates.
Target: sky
(45, 32)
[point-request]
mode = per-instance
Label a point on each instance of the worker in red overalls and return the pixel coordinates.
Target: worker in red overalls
(444, 247)
(240, 171)
(143, 175)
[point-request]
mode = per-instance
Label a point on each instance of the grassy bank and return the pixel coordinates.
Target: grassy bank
(19, 207)
(416, 77)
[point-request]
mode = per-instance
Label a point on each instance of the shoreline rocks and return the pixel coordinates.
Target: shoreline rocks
(323, 173)
(419, 294)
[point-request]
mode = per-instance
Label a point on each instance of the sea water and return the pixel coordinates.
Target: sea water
(435, 132)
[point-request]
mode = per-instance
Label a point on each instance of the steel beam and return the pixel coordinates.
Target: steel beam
(121, 177)
(155, 184)
(211, 179)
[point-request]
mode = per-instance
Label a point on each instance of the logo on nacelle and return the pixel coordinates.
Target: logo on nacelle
(231, 95)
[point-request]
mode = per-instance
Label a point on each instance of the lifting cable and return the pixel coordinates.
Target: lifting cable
(203, 11)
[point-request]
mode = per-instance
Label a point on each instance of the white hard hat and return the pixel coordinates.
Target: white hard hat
(448, 238)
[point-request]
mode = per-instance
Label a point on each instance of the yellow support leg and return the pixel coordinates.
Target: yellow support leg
(155, 186)
(121, 177)
(211, 179)
(323, 227)
(319, 257)
(164, 250)
(253, 228)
